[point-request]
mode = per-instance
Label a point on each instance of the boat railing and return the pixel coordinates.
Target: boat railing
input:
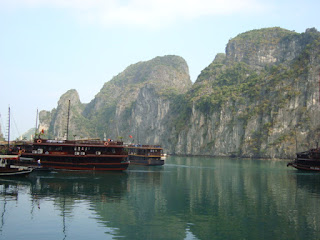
(85, 141)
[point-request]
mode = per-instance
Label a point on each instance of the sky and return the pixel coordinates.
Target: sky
(48, 47)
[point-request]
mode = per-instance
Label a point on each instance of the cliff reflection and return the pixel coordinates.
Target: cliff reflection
(220, 198)
(224, 198)
(188, 198)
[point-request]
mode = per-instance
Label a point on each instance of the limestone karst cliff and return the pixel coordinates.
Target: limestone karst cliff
(55, 122)
(135, 102)
(258, 99)
(1, 135)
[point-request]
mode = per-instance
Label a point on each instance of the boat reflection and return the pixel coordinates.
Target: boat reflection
(73, 185)
(59, 196)
(309, 181)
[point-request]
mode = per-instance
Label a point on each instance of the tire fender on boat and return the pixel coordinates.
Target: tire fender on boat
(106, 143)
(39, 141)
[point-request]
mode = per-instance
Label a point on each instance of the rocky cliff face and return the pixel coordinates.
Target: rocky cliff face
(259, 99)
(135, 102)
(55, 122)
(259, 48)
(1, 135)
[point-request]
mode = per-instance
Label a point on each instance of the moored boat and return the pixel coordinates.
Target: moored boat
(75, 154)
(9, 163)
(149, 155)
(9, 166)
(307, 160)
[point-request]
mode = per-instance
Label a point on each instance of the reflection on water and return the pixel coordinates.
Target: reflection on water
(309, 181)
(188, 198)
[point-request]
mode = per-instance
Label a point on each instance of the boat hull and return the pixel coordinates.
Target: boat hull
(82, 163)
(14, 172)
(315, 168)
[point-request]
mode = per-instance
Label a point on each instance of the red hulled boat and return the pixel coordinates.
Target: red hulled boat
(74, 154)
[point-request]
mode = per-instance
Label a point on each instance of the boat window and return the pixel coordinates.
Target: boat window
(98, 153)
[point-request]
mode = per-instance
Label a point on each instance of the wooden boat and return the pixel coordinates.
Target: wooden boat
(75, 154)
(149, 155)
(89, 154)
(9, 166)
(308, 160)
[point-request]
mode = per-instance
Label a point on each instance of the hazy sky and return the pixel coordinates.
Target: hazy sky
(50, 46)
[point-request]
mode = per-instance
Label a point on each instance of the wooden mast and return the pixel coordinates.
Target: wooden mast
(8, 129)
(35, 130)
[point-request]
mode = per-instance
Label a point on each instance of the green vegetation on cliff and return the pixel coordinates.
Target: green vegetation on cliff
(110, 112)
(240, 82)
(229, 83)
(265, 36)
(259, 91)
(249, 101)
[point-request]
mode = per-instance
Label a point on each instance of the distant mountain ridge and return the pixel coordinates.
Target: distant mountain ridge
(259, 99)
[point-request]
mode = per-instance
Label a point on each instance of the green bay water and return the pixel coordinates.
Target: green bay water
(187, 198)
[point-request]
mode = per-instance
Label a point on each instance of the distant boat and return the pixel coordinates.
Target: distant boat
(9, 166)
(308, 160)
(149, 155)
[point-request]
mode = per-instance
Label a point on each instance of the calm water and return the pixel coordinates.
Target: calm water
(188, 198)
